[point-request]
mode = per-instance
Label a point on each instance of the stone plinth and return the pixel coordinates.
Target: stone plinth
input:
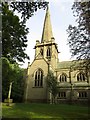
(8, 101)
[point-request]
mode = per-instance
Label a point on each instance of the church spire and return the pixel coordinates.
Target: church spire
(47, 28)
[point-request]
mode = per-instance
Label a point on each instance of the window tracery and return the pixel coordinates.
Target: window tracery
(39, 78)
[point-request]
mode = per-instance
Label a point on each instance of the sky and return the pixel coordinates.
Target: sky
(61, 17)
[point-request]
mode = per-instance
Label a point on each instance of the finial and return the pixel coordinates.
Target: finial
(28, 64)
(47, 7)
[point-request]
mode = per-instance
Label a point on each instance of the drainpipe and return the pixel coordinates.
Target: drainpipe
(71, 84)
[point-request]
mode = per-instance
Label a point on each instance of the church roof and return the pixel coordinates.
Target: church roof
(70, 64)
(47, 34)
(64, 64)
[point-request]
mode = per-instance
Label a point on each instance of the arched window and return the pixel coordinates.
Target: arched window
(81, 77)
(41, 51)
(48, 52)
(63, 78)
(39, 78)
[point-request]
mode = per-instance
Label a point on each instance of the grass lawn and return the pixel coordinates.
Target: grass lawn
(48, 111)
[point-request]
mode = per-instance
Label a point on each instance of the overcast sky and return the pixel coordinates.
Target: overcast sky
(61, 16)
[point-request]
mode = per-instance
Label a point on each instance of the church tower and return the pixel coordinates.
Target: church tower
(46, 57)
(47, 48)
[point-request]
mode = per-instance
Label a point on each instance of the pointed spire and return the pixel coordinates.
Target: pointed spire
(47, 28)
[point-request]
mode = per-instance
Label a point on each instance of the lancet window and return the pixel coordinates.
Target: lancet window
(63, 78)
(81, 77)
(41, 51)
(83, 95)
(39, 78)
(49, 52)
(62, 95)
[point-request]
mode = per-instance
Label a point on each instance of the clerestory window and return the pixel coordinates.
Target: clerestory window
(63, 78)
(39, 78)
(81, 77)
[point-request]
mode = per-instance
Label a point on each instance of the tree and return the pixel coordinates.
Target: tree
(14, 31)
(52, 86)
(14, 42)
(27, 9)
(5, 76)
(14, 39)
(18, 83)
(79, 36)
(12, 73)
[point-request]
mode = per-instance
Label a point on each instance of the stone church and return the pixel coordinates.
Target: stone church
(72, 78)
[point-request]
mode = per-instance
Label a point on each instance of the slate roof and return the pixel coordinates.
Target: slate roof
(68, 64)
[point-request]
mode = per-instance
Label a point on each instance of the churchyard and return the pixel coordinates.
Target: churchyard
(47, 111)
